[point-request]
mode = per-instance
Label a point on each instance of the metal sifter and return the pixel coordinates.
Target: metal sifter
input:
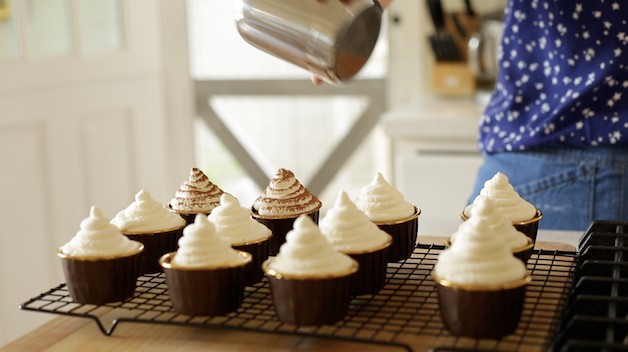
(332, 39)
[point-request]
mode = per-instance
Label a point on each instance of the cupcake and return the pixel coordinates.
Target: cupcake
(205, 276)
(523, 215)
(234, 223)
(351, 232)
(284, 200)
(480, 284)
(99, 263)
(388, 209)
(196, 195)
(310, 281)
(486, 218)
(148, 221)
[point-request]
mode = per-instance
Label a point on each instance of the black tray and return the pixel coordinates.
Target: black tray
(596, 315)
(403, 314)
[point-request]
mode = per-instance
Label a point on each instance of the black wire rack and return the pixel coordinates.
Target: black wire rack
(403, 314)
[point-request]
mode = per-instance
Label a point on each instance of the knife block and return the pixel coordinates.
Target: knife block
(452, 79)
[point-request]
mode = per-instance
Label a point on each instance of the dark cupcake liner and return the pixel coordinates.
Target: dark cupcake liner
(259, 253)
(310, 300)
(490, 314)
(404, 235)
(101, 281)
(205, 291)
(524, 252)
(280, 227)
(371, 275)
(155, 245)
(530, 228)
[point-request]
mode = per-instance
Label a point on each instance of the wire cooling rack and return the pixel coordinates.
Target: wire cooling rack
(403, 314)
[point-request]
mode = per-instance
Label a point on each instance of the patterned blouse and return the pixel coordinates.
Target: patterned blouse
(563, 76)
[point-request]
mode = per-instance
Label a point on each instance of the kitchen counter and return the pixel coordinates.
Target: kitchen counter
(71, 333)
(434, 118)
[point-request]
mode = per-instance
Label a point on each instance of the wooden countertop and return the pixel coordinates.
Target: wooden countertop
(74, 334)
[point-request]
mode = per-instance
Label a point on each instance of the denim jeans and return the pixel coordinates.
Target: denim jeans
(571, 186)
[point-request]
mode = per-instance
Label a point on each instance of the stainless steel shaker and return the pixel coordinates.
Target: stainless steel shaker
(330, 38)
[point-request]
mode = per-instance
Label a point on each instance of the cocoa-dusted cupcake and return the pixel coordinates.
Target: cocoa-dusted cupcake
(481, 285)
(351, 232)
(284, 200)
(149, 222)
(487, 218)
(99, 263)
(310, 282)
(523, 215)
(235, 224)
(205, 276)
(196, 195)
(388, 209)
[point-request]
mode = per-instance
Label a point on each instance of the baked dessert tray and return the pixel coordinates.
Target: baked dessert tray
(404, 314)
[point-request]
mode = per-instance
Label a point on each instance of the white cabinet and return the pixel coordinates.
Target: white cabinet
(434, 158)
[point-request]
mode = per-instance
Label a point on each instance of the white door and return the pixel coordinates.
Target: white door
(86, 117)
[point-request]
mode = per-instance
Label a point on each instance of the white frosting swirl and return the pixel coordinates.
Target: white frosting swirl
(486, 217)
(200, 247)
(382, 202)
(146, 215)
(349, 230)
(97, 238)
(234, 222)
(478, 255)
(285, 196)
(307, 252)
(509, 202)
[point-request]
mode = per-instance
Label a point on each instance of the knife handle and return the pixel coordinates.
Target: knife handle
(437, 14)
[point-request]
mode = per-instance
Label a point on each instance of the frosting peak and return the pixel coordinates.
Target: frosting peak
(487, 217)
(504, 196)
(285, 196)
(479, 254)
(349, 230)
(98, 238)
(200, 247)
(382, 202)
(196, 194)
(234, 223)
(307, 252)
(146, 215)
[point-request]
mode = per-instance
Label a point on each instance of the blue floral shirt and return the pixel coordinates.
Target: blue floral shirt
(563, 76)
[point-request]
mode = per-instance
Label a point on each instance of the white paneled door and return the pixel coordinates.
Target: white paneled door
(93, 107)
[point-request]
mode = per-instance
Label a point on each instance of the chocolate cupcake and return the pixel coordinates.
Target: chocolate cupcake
(196, 195)
(149, 222)
(351, 232)
(284, 200)
(487, 218)
(310, 282)
(524, 216)
(480, 284)
(388, 209)
(235, 224)
(99, 263)
(205, 276)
